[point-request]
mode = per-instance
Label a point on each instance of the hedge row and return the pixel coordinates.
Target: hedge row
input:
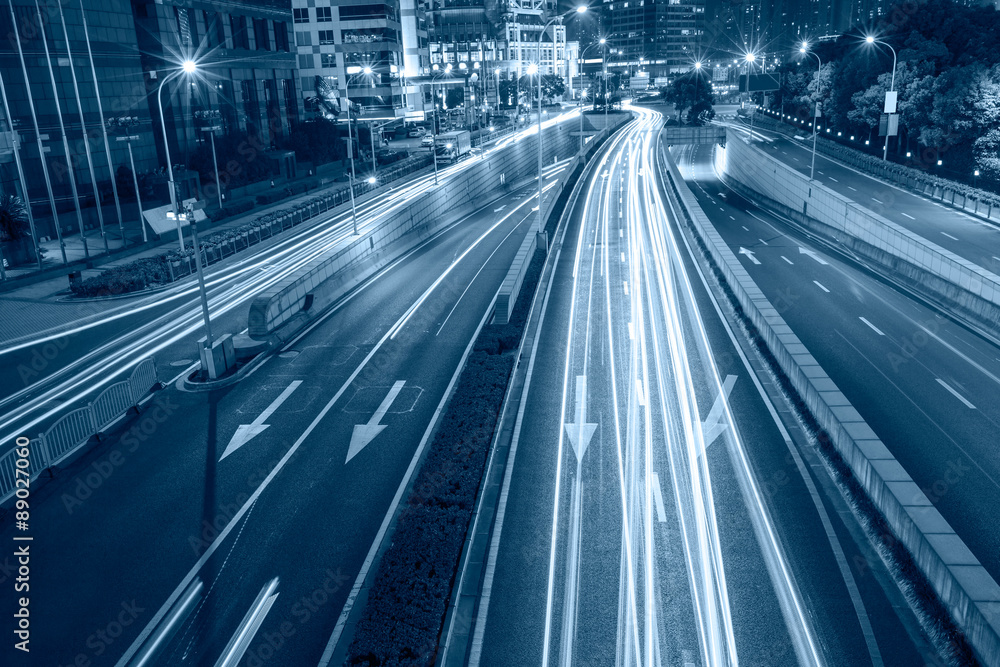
(150, 272)
(403, 619)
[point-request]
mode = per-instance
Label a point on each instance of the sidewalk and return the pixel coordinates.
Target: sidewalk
(39, 308)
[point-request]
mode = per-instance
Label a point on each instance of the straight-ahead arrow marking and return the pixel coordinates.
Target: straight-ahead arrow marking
(365, 433)
(714, 425)
(748, 253)
(246, 432)
(812, 253)
(580, 432)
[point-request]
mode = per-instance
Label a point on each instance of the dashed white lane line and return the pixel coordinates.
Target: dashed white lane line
(620, 233)
(763, 241)
(661, 513)
(626, 287)
(731, 218)
(623, 257)
(820, 285)
(874, 328)
(745, 227)
(787, 260)
(834, 180)
(956, 394)
(784, 152)
(877, 201)
(907, 215)
(953, 238)
(821, 173)
(850, 188)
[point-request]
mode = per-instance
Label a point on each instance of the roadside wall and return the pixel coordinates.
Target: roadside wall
(326, 278)
(966, 589)
(952, 281)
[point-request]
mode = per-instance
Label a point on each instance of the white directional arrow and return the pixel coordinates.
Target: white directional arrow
(749, 253)
(365, 433)
(246, 432)
(714, 425)
(580, 432)
(812, 253)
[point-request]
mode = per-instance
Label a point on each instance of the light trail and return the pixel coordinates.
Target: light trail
(232, 287)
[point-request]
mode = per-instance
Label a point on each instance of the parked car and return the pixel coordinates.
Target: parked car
(427, 141)
(416, 132)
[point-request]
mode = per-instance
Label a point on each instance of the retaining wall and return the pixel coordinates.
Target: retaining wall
(967, 590)
(938, 274)
(329, 276)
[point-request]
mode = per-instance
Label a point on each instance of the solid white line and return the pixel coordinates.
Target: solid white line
(661, 514)
(787, 260)
(953, 238)
(907, 215)
(955, 394)
(820, 285)
(874, 328)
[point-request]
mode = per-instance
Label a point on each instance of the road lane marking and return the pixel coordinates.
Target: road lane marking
(365, 433)
(955, 394)
(877, 201)
(763, 241)
(833, 179)
(640, 390)
(246, 432)
(745, 227)
(788, 260)
(497, 210)
(821, 173)
(907, 215)
(625, 283)
(874, 328)
(749, 253)
(820, 285)
(953, 238)
(580, 432)
(661, 513)
(731, 218)
(812, 253)
(714, 424)
(623, 257)
(850, 188)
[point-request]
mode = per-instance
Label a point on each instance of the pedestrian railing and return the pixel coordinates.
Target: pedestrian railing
(75, 428)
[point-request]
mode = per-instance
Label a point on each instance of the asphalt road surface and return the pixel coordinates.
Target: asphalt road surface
(656, 509)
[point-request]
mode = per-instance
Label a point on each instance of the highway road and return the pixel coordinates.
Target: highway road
(966, 235)
(40, 376)
(266, 487)
(924, 383)
(660, 505)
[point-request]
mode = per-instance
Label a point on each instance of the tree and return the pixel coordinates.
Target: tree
(552, 86)
(455, 97)
(13, 218)
(318, 141)
(691, 91)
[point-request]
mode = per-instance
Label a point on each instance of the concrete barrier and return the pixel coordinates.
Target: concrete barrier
(966, 289)
(963, 585)
(511, 285)
(281, 310)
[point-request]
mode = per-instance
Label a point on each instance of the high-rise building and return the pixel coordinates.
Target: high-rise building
(49, 83)
(657, 37)
(362, 50)
(246, 67)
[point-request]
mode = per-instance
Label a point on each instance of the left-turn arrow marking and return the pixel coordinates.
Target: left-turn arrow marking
(247, 432)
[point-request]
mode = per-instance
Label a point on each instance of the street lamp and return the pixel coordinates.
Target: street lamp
(749, 58)
(581, 9)
(819, 71)
(601, 42)
(350, 136)
(187, 67)
(892, 89)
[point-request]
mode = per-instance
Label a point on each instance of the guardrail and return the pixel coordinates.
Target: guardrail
(75, 428)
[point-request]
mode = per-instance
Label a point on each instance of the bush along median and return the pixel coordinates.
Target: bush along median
(403, 618)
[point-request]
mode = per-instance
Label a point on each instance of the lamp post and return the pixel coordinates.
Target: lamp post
(601, 42)
(350, 136)
(804, 49)
(212, 119)
(581, 9)
(127, 123)
(750, 58)
(892, 88)
(697, 83)
(188, 67)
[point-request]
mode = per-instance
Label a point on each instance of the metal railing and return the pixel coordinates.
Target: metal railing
(75, 428)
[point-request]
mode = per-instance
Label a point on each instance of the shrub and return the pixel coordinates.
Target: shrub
(131, 277)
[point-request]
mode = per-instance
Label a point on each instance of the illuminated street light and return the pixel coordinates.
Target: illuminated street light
(892, 86)
(819, 72)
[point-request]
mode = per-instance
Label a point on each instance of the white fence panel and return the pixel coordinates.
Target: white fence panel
(72, 430)
(142, 379)
(112, 403)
